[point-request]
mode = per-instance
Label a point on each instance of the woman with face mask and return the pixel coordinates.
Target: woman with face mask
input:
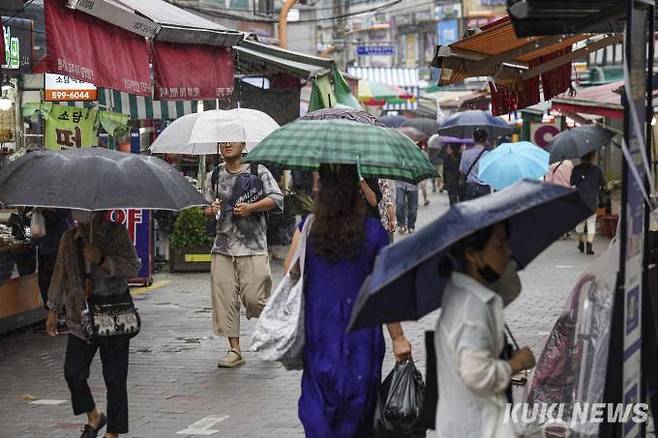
(474, 371)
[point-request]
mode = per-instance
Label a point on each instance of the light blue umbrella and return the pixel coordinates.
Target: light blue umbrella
(513, 162)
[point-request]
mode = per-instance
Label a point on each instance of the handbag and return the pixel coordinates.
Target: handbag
(37, 225)
(279, 332)
(107, 316)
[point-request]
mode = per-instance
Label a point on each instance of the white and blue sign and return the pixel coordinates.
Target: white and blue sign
(447, 32)
(375, 50)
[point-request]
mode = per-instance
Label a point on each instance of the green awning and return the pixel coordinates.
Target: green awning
(296, 64)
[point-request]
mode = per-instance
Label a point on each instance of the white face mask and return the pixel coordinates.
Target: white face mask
(508, 285)
(81, 216)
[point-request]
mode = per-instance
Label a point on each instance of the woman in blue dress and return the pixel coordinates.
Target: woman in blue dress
(342, 371)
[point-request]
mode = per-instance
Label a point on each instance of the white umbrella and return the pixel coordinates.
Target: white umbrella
(199, 133)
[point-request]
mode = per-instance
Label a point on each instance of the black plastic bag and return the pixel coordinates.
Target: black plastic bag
(400, 404)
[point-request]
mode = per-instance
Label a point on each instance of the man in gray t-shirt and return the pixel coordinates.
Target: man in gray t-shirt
(240, 270)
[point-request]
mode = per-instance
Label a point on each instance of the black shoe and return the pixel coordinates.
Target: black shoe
(589, 250)
(88, 430)
(581, 247)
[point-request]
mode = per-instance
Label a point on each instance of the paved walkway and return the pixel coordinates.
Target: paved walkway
(175, 388)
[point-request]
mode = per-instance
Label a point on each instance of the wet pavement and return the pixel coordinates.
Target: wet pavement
(175, 387)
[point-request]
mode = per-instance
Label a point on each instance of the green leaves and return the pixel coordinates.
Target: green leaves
(190, 230)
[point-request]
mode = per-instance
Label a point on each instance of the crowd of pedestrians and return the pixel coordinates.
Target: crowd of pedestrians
(353, 219)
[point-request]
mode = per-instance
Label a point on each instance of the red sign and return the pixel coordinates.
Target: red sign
(192, 71)
(86, 48)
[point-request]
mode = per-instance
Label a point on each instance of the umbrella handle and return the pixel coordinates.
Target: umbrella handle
(358, 167)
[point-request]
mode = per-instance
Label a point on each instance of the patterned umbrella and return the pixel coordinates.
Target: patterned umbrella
(376, 93)
(383, 153)
(359, 116)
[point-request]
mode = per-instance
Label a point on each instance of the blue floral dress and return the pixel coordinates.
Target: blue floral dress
(342, 371)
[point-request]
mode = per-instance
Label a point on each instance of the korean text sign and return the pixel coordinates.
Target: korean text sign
(71, 127)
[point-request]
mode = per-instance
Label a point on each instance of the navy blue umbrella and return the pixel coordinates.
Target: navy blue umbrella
(405, 283)
(392, 121)
(463, 124)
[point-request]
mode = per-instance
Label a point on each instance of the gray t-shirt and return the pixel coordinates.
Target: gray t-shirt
(241, 236)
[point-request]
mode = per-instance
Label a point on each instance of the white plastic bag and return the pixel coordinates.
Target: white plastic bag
(279, 332)
(37, 225)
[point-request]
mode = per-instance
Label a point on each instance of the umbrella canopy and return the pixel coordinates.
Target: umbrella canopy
(95, 179)
(439, 141)
(383, 152)
(405, 283)
(513, 162)
(376, 93)
(576, 142)
(425, 124)
(354, 115)
(414, 134)
(199, 133)
(464, 123)
(392, 121)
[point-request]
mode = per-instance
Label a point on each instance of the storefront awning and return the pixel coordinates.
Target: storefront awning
(136, 107)
(516, 65)
(264, 56)
(106, 42)
(602, 100)
(160, 21)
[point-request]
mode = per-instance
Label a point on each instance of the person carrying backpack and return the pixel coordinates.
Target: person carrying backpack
(240, 194)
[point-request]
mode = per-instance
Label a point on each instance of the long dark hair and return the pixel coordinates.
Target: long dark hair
(338, 229)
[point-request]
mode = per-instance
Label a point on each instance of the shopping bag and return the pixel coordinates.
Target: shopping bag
(400, 400)
(37, 225)
(279, 332)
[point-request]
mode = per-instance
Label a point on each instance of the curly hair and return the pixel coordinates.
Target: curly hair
(338, 230)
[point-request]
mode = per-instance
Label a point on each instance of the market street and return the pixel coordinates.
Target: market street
(175, 388)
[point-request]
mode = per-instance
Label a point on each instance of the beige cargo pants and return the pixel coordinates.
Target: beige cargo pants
(235, 280)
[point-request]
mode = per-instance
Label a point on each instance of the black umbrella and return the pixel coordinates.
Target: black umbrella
(424, 124)
(576, 142)
(392, 121)
(95, 179)
(405, 283)
(463, 124)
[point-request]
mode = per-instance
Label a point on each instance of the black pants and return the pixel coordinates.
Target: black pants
(114, 357)
(454, 195)
(46, 267)
(474, 191)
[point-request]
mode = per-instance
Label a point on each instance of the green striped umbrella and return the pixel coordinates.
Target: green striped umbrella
(383, 152)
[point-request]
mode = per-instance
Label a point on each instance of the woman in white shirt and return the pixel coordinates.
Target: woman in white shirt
(470, 337)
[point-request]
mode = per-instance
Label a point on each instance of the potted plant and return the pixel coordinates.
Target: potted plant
(190, 243)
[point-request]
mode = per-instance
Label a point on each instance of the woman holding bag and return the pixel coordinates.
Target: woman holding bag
(342, 371)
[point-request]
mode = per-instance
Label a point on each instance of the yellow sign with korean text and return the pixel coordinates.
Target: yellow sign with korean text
(71, 127)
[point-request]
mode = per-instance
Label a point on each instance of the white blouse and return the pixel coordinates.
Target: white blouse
(469, 339)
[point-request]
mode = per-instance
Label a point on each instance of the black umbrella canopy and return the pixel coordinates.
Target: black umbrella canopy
(424, 124)
(405, 283)
(392, 121)
(579, 141)
(463, 124)
(95, 179)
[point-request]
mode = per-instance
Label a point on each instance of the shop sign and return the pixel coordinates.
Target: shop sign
(61, 88)
(447, 12)
(17, 38)
(447, 32)
(542, 133)
(375, 50)
(71, 127)
(138, 224)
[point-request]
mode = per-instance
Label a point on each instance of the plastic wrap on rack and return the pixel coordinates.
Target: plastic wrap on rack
(572, 366)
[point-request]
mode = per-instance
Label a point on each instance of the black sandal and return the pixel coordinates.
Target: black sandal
(88, 431)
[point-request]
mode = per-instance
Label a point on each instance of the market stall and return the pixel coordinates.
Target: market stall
(20, 301)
